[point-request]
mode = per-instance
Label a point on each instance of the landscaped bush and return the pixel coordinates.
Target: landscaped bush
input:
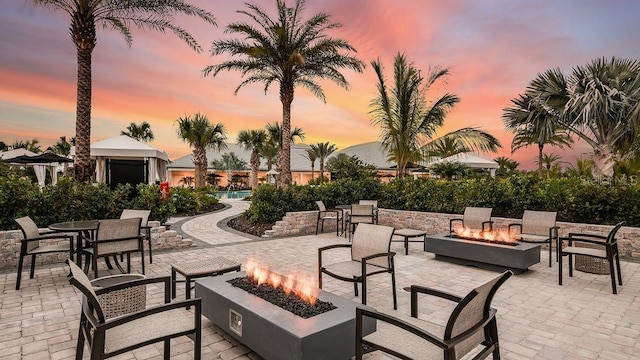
(576, 200)
(70, 200)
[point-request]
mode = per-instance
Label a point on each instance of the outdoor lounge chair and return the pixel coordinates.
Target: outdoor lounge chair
(538, 227)
(375, 208)
(324, 215)
(474, 218)
(370, 255)
(472, 323)
(144, 224)
(115, 237)
(359, 214)
(608, 250)
(110, 336)
(31, 246)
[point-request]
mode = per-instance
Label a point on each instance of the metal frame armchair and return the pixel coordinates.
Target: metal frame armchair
(538, 227)
(144, 224)
(115, 237)
(107, 337)
(609, 251)
(375, 208)
(324, 214)
(474, 218)
(30, 245)
(359, 214)
(370, 255)
(472, 323)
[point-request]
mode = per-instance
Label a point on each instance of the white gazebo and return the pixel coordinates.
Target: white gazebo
(125, 148)
(470, 160)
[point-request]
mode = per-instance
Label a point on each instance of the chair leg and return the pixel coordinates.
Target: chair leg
(355, 286)
(613, 275)
(560, 268)
(32, 270)
(570, 265)
(618, 266)
(494, 338)
(150, 254)
(317, 226)
(167, 349)
(550, 249)
(364, 289)
(23, 250)
(393, 289)
(142, 259)
(80, 344)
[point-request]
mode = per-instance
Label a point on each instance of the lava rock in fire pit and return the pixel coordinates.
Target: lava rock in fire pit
(278, 297)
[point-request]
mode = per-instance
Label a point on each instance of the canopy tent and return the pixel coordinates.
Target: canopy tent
(41, 163)
(469, 160)
(10, 154)
(125, 148)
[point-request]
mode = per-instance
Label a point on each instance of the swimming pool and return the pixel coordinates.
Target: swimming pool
(238, 194)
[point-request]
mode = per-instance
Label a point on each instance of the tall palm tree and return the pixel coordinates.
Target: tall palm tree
(289, 51)
(408, 124)
(599, 102)
(275, 138)
(140, 132)
(198, 132)
(31, 145)
(253, 140)
(119, 15)
(322, 152)
(229, 162)
(506, 164)
(447, 146)
(533, 125)
(61, 147)
(311, 155)
(270, 153)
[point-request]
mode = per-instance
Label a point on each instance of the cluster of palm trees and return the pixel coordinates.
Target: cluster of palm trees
(599, 102)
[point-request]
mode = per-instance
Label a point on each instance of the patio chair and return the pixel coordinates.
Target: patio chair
(474, 218)
(128, 330)
(608, 250)
(144, 225)
(324, 215)
(375, 208)
(538, 227)
(30, 245)
(115, 237)
(370, 255)
(472, 323)
(359, 214)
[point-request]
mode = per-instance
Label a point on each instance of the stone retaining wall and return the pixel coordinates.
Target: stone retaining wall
(304, 223)
(161, 238)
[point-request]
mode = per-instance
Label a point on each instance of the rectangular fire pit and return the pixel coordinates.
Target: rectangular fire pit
(484, 255)
(275, 333)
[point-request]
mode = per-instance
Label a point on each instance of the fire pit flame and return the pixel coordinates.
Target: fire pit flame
(494, 235)
(301, 285)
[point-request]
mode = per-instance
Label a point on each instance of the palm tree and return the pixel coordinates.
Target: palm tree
(120, 15)
(140, 132)
(30, 145)
(229, 162)
(599, 102)
(3, 146)
(62, 146)
(506, 165)
(253, 140)
(275, 139)
(311, 155)
(549, 161)
(447, 146)
(270, 153)
(408, 124)
(198, 132)
(322, 152)
(532, 124)
(583, 168)
(289, 51)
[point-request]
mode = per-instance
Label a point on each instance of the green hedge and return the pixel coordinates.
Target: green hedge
(70, 200)
(575, 200)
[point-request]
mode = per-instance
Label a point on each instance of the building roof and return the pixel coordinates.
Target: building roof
(299, 160)
(468, 159)
(370, 153)
(10, 154)
(124, 147)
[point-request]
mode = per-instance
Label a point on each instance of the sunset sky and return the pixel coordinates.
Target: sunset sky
(493, 49)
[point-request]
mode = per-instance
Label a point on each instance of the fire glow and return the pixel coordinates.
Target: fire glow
(499, 236)
(303, 286)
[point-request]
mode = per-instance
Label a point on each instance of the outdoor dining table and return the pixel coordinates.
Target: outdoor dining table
(84, 228)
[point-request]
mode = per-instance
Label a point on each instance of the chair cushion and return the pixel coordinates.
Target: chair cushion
(351, 268)
(533, 238)
(404, 342)
(150, 327)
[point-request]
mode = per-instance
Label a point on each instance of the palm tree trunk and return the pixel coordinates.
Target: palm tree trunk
(200, 164)
(82, 160)
(540, 148)
(284, 157)
(321, 170)
(312, 171)
(255, 167)
(604, 161)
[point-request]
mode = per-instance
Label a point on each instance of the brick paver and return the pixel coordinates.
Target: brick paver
(537, 319)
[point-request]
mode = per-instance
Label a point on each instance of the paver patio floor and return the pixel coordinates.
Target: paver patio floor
(537, 319)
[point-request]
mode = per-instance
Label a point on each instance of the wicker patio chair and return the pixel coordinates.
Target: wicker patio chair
(474, 218)
(30, 245)
(359, 214)
(472, 323)
(324, 215)
(115, 237)
(144, 224)
(134, 325)
(538, 227)
(375, 208)
(608, 250)
(370, 255)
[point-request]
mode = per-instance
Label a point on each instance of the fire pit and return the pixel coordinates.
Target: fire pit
(274, 332)
(489, 250)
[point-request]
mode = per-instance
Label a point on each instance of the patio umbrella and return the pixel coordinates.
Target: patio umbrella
(44, 158)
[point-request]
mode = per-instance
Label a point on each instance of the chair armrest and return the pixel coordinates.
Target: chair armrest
(490, 222)
(451, 221)
(117, 321)
(325, 248)
(139, 237)
(573, 235)
(320, 213)
(360, 313)
(389, 254)
(590, 241)
(415, 289)
(513, 225)
(50, 236)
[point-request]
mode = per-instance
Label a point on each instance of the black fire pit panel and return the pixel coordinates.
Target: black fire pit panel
(275, 333)
(482, 254)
